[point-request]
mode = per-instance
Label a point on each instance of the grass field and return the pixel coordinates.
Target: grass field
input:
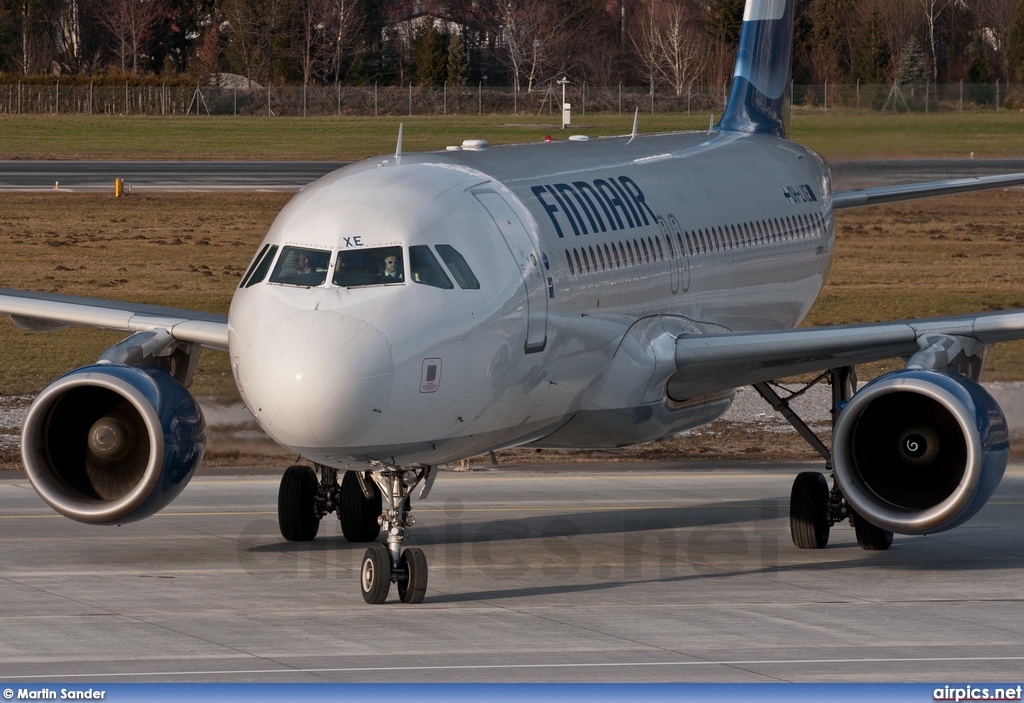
(838, 134)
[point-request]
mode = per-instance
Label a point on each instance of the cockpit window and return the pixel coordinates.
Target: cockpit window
(369, 267)
(298, 266)
(426, 269)
(457, 265)
(260, 265)
(378, 266)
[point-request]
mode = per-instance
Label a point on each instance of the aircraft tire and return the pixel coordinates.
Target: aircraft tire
(357, 513)
(870, 537)
(296, 512)
(412, 583)
(808, 511)
(375, 574)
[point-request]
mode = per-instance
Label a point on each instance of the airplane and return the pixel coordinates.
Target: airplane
(414, 310)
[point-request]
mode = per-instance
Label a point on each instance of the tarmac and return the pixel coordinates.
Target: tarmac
(617, 572)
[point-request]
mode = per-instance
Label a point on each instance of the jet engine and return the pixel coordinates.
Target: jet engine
(109, 444)
(919, 451)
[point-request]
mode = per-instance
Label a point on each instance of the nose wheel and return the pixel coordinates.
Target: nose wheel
(384, 564)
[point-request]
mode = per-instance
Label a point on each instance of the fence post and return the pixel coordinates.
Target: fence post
(620, 97)
(584, 98)
(375, 98)
(444, 101)
(927, 88)
(961, 95)
(339, 98)
(997, 93)
(858, 95)
(303, 97)
(410, 98)
(480, 98)
(127, 107)
(652, 96)
(19, 97)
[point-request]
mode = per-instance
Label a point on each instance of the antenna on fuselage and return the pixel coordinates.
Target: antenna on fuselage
(636, 121)
(398, 149)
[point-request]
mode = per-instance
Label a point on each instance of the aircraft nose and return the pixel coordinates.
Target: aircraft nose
(318, 379)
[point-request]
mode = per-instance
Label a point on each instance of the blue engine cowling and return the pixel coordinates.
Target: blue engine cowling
(918, 452)
(109, 444)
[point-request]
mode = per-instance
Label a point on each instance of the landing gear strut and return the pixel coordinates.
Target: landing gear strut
(384, 564)
(303, 500)
(813, 506)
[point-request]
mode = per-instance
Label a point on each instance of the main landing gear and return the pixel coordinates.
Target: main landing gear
(813, 506)
(303, 500)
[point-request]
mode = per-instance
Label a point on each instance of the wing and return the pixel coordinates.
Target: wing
(41, 312)
(707, 363)
(844, 199)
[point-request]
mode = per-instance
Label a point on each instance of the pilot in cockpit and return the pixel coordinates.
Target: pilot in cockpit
(302, 263)
(391, 273)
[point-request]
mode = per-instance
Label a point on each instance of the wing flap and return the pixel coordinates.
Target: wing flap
(52, 311)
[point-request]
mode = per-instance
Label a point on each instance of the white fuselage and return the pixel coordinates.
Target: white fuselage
(541, 290)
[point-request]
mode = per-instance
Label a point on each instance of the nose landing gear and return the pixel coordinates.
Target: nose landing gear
(384, 564)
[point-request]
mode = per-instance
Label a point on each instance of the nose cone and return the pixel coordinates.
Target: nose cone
(317, 379)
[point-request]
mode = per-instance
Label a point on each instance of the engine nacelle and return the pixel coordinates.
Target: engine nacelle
(109, 444)
(917, 452)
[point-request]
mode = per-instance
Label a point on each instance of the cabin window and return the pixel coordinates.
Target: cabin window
(568, 260)
(369, 267)
(299, 266)
(260, 266)
(579, 264)
(456, 263)
(424, 268)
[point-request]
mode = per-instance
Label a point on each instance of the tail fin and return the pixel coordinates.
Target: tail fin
(761, 89)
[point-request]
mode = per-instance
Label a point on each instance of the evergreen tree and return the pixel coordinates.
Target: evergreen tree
(725, 20)
(429, 55)
(980, 70)
(456, 66)
(912, 70)
(872, 57)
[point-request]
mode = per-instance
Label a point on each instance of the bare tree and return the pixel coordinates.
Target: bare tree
(529, 31)
(996, 20)
(131, 24)
(932, 10)
(668, 39)
(329, 31)
(252, 26)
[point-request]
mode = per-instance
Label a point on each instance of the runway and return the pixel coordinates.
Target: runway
(247, 176)
(596, 573)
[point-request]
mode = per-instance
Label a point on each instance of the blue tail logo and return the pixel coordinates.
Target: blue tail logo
(761, 90)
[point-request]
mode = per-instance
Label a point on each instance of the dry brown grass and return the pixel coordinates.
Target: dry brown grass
(185, 250)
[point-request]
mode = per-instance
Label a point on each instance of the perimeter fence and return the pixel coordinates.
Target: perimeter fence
(341, 100)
